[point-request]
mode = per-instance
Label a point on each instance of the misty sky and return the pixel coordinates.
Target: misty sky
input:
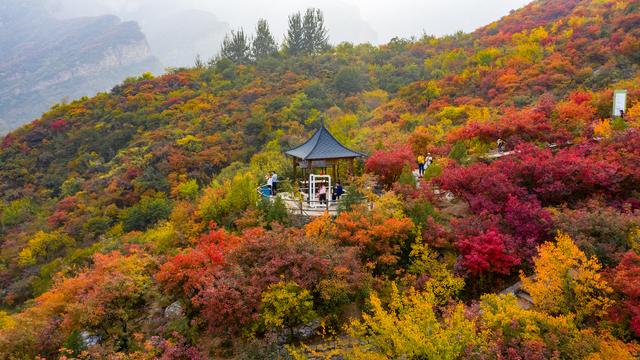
(374, 21)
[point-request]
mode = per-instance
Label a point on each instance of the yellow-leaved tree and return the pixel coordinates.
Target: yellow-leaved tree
(441, 281)
(603, 129)
(567, 282)
(410, 329)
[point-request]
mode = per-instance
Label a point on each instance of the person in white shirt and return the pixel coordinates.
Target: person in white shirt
(274, 182)
(270, 183)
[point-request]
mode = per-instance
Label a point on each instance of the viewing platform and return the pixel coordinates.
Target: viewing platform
(306, 208)
(319, 190)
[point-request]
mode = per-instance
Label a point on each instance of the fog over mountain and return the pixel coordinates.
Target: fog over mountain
(374, 21)
(55, 49)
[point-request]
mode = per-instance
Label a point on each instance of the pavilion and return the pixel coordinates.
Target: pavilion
(321, 151)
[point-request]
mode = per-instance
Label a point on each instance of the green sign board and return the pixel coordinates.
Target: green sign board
(619, 102)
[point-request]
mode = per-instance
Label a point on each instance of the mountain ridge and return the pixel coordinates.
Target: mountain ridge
(47, 60)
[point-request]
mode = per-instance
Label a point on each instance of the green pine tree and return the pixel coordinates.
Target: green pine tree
(263, 45)
(235, 47)
(314, 32)
(294, 41)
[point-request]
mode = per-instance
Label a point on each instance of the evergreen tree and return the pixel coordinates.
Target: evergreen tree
(294, 42)
(235, 47)
(263, 45)
(315, 37)
(199, 64)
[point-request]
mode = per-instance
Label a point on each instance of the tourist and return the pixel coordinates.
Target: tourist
(421, 160)
(338, 192)
(428, 160)
(322, 194)
(269, 183)
(501, 144)
(274, 183)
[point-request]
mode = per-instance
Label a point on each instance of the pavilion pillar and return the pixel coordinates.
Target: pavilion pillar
(353, 168)
(295, 173)
(335, 174)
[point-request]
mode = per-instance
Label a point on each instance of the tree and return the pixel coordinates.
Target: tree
(146, 213)
(439, 280)
(43, 245)
(566, 282)
(224, 276)
(458, 152)
(388, 165)
(350, 80)
(517, 333)
(314, 33)
(236, 47)
(263, 45)
(410, 329)
(626, 281)
(294, 41)
(110, 300)
(286, 305)
(420, 94)
(379, 236)
(489, 251)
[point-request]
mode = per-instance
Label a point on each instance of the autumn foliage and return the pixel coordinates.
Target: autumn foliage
(388, 165)
(131, 225)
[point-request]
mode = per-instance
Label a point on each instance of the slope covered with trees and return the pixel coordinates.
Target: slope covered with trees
(130, 222)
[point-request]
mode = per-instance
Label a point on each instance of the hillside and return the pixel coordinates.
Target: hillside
(130, 221)
(45, 60)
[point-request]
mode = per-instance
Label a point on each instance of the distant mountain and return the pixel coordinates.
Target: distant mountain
(45, 60)
(200, 34)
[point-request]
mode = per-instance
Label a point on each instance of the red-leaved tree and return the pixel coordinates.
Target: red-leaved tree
(388, 165)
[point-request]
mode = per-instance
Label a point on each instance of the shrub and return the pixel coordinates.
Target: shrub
(274, 211)
(351, 198)
(388, 165)
(146, 213)
(224, 276)
(410, 329)
(188, 189)
(350, 80)
(626, 281)
(380, 236)
(43, 245)
(599, 230)
(223, 203)
(286, 305)
(458, 152)
(567, 282)
(490, 251)
(16, 212)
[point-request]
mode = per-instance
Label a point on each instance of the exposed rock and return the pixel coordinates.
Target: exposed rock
(89, 340)
(524, 299)
(174, 311)
(308, 330)
(46, 60)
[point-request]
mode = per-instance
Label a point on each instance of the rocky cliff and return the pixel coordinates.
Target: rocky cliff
(45, 60)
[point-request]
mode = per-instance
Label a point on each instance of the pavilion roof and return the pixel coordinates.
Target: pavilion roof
(323, 146)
